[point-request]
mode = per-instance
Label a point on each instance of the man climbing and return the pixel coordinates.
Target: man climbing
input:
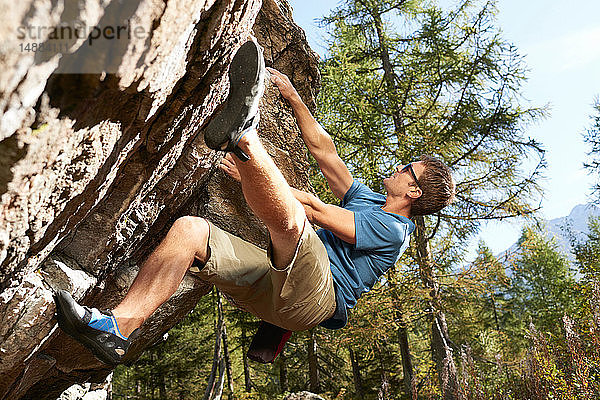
(305, 278)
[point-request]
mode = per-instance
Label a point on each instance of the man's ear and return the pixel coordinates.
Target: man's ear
(414, 193)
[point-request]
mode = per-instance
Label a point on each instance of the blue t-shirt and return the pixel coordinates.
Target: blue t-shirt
(381, 238)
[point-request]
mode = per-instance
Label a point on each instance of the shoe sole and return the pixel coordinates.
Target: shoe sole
(76, 329)
(246, 87)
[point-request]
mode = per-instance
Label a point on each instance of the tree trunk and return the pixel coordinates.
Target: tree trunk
(152, 377)
(162, 388)
(212, 379)
(443, 358)
(389, 76)
(313, 366)
(160, 377)
(216, 380)
(384, 389)
(247, 383)
(109, 388)
(407, 368)
(442, 352)
(493, 300)
(221, 384)
(440, 344)
(283, 374)
(227, 360)
(356, 374)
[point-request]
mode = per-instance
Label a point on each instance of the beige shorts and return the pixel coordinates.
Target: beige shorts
(297, 297)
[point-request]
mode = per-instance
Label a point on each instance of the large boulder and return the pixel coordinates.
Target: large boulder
(101, 149)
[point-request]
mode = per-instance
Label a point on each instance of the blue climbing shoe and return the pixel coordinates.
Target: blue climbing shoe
(97, 330)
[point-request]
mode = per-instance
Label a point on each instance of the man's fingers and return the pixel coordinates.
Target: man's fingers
(285, 86)
(227, 161)
(276, 74)
(228, 165)
(227, 169)
(276, 79)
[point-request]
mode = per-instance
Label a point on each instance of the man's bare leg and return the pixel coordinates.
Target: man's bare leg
(161, 274)
(269, 196)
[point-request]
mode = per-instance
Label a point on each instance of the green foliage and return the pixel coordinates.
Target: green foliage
(510, 328)
(543, 287)
(587, 252)
(587, 261)
(407, 78)
(592, 137)
(178, 366)
(476, 297)
(567, 367)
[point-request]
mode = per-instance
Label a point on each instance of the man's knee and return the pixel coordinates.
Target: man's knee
(191, 225)
(292, 226)
(193, 233)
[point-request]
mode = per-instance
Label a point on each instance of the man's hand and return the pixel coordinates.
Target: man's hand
(284, 85)
(337, 220)
(228, 165)
(317, 140)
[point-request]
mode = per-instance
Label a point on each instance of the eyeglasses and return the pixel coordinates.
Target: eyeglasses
(408, 167)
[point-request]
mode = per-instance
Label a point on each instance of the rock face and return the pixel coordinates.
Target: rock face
(101, 150)
(303, 396)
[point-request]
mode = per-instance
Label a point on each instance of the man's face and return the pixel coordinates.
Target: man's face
(402, 181)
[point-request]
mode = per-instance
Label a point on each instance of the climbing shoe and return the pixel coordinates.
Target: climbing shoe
(240, 112)
(267, 343)
(97, 330)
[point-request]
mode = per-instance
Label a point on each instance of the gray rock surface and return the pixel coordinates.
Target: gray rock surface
(303, 396)
(88, 391)
(95, 166)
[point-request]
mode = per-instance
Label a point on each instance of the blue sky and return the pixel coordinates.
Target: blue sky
(561, 42)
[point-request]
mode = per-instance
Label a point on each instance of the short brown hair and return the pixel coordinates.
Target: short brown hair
(437, 186)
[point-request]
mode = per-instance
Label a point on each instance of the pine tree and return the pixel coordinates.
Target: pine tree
(178, 365)
(405, 78)
(543, 287)
(592, 137)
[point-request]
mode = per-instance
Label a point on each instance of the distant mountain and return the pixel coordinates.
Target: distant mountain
(576, 224)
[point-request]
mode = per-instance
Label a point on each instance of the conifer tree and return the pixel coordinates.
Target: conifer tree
(178, 365)
(542, 288)
(587, 253)
(592, 137)
(405, 78)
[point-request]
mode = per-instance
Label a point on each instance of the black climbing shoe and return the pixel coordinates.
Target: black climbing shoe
(267, 343)
(94, 329)
(240, 113)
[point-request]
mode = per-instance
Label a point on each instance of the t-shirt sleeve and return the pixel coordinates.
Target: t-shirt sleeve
(376, 230)
(359, 192)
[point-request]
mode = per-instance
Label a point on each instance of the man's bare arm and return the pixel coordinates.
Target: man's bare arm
(335, 219)
(317, 140)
